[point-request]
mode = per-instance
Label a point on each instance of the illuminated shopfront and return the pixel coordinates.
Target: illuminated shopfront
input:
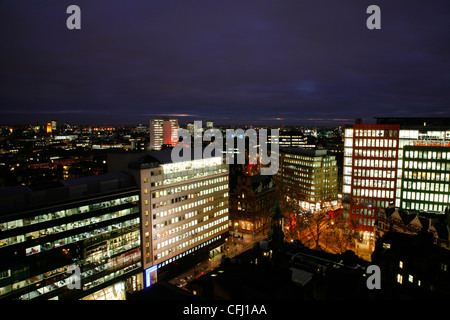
(113, 292)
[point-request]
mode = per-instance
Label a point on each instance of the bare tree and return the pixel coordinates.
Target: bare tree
(340, 237)
(332, 234)
(317, 224)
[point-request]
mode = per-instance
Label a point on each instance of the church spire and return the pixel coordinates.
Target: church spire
(276, 233)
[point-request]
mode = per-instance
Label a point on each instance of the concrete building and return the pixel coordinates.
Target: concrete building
(75, 239)
(156, 134)
(184, 208)
(309, 176)
(398, 161)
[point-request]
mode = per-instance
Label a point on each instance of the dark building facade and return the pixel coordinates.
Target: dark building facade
(412, 266)
(76, 239)
(252, 198)
(414, 222)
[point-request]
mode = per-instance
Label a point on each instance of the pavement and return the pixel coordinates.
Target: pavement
(234, 247)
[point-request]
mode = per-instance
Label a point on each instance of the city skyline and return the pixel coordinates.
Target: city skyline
(243, 62)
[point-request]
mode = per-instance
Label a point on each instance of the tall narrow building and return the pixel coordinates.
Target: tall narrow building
(163, 132)
(170, 132)
(370, 172)
(156, 134)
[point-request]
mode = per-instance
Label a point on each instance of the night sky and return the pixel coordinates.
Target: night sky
(291, 62)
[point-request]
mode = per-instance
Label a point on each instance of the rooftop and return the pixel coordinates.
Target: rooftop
(415, 122)
(439, 221)
(155, 158)
(313, 152)
(23, 198)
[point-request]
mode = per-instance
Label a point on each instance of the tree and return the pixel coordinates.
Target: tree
(317, 223)
(340, 237)
(333, 235)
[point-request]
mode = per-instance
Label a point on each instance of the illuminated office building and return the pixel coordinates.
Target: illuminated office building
(388, 163)
(370, 172)
(426, 177)
(156, 134)
(170, 132)
(87, 228)
(184, 209)
(163, 132)
(292, 139)
(309, 176)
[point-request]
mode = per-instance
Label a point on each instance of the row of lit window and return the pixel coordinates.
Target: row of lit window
(65, 213)
(373, 193)
(190, 242)
(216, 205)
(131, 239)
(370, 173)
(373, 183)
(132, 261)
(64, 227)
(300, 157)
(376, 143)
(428, 165)
(426, 186)
(198, 173)
(187, 187)
(424, 154)
(374, 153)
(374, 163)
(80, 236)
(298, 163)
(425, 196)
(305, 184)
(364, 212)
(180, 255)
(363, 222)
(370, 202)
(375, 133)
(419, 175)
(197, 230)
(410, 279)
(169, 202)
(181, 227)
(208, 163)
(188, 197)
(423, 206)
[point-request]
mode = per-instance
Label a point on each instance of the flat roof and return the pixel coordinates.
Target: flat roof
(158, 157)
(17, 199)
(313, 152)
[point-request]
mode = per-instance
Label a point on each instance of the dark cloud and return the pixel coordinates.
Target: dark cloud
(237, 60)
